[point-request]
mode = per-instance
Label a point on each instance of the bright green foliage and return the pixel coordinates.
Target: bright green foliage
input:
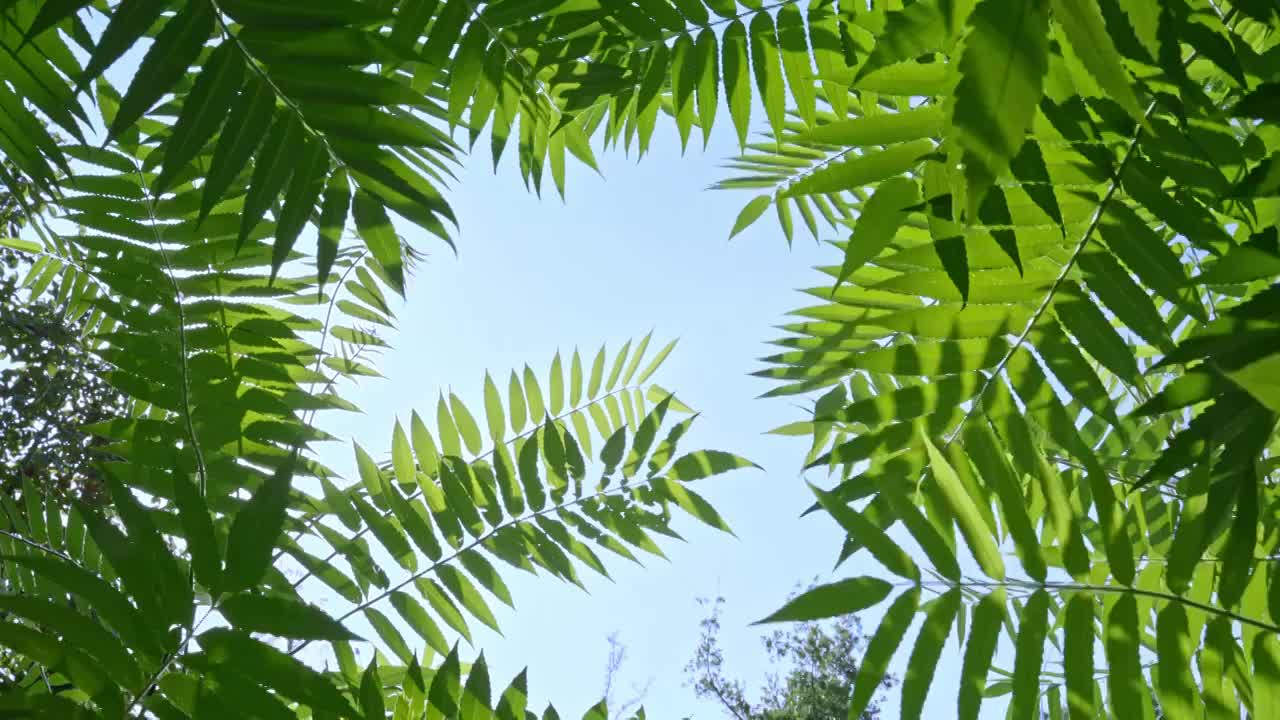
(251, 128)
(1055, 329)
(1065, 348)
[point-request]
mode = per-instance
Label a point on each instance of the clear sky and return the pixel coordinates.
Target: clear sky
(643, 247)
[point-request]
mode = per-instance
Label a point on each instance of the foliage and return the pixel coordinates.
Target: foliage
(821, 666)
(1050, 330)
(1053, 327)
(189, 595)
(52, 388)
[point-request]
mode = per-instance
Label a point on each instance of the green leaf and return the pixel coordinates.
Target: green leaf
(127, 25)
(767, 68)
(576, 386)
(611, 453)
(281, 616)
(907, 125)
(976, 533)
(443, 606)
(493, 411)
(750, 213)
(1215, 657)
(1242, 264)
(464, 75)
(1266, 675)
(1149, 257)
(203, 111)
(656, 362)
(254, 532)
(424, 447)
(795, 61)
(1238, 563)
(486, 575)
(413, 518)
(446, 690)
(1087, 32)
(1259, 103)
(918, 29)
(832, 600)
(450, 441)
(380, 237)
(828, 55)
(371, 701)
(1029, 653)
(245, 127)
(174, 50)
(515, 403)
(389, 535)
(736, 85)
(1001, 78)
(273, 669)
(1259, 379)
(308, 181)
(619, 361)
(514, 699)
(978, 653)
(884, 549)
(402, 457)
(110, 604)
(333, 219)
(1127, 688)
(456, 481)
(555, 387)
(1175, 686)
(467, 594)
(684, 80)
(691, 502)
(475, 694)
(197, 528)
(597, 373)
(533, 395)
(860, 170)
(1122, 296)
(389, 634)
(467, 426)
(370, 475)
(418, 619)
(880, 650)
(707, 94)
(927, 650)
(1096, 335)
(1078, 656)
(878, 221)
(707, 463)
(53, 12)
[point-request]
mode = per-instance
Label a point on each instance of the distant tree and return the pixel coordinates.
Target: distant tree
(628, 708)
(817, 664)
(51, 384)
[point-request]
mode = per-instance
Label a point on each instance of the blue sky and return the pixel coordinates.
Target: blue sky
(643, 247)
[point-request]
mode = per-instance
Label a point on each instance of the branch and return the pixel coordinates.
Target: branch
(475, 542)
(418, 493)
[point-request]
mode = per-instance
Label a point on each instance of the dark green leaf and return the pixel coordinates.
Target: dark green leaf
(832, 600)
(282, 616)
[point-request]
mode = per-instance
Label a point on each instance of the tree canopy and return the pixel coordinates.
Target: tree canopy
(1051, 325)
